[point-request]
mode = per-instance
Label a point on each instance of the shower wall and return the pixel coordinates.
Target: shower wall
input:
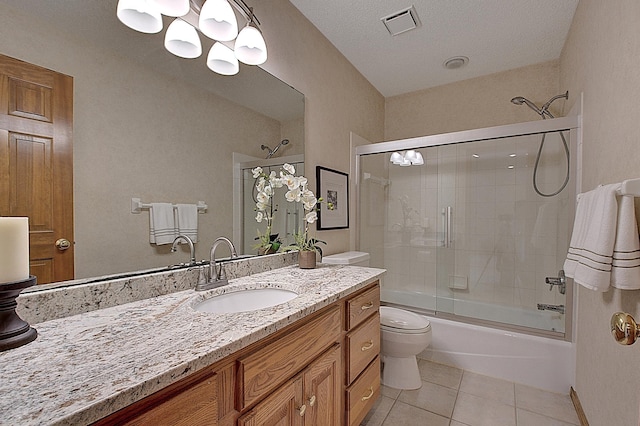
(505, 239)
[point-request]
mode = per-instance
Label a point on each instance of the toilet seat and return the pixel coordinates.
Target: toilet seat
(401, 321)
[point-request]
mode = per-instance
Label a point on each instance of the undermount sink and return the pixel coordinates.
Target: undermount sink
(245, 300)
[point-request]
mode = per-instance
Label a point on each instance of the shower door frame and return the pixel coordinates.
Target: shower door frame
(568, 123)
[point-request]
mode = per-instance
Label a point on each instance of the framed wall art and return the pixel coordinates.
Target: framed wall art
(333, 188)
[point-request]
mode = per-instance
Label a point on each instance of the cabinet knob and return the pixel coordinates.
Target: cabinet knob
(312, 401)
(367, 306)
(364, 398)
(367, 346)
(624, 328)
(302, 409)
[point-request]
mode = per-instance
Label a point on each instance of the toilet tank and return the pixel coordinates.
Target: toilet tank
(357, 258)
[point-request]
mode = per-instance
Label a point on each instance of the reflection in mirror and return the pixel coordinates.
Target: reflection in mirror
(149, 125)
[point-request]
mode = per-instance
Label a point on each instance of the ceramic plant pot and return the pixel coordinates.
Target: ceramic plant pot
(307, 259)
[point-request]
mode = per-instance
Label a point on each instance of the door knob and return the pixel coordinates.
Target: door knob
(63, 244)
(624, 328)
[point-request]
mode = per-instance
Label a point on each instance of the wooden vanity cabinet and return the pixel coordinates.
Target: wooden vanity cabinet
(323, 370)
(362, 354)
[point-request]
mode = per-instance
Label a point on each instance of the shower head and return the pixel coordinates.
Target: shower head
(274, 150)
(519, 100)
(545, 107)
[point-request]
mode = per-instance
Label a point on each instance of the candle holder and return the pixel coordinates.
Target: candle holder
(14, 331)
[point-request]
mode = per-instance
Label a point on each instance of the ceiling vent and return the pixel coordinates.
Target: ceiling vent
(402, 21)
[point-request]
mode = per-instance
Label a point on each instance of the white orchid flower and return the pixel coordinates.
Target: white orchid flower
(293, 195)
(259, 217)
(311, 217)
(261, 206)
(302, 181)
(262, 197)
(288, 167)
(277, 182)
(291, 182)
(256, 172)
(309, 203)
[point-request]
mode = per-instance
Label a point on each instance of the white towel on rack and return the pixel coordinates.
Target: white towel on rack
(594, 230)
(625, 273)
(188, 220)
(162, 228)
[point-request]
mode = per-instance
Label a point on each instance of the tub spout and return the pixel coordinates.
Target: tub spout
(555, 308)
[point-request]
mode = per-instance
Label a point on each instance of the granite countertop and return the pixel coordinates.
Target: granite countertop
(84, 367)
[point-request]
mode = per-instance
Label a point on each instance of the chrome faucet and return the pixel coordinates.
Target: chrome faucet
(189, 241)
(217, 277)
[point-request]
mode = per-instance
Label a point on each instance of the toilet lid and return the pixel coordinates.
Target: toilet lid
(400, 319)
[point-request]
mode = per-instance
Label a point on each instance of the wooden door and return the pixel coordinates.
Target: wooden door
(323, 389)
(281, 408)
(36, 162)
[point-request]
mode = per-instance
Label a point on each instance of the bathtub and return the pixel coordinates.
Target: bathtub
(540, 362)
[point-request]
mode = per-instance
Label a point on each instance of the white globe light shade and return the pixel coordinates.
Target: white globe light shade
(172, 7)
(140, 15)
(222, 60)
(182, 40)
(218, 21)
(250, 47)
(419, 160)
(396, 158)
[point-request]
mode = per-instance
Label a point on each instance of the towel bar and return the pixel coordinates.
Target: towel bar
(627, 187)
(137, 206)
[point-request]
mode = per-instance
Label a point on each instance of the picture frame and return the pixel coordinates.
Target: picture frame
(332, 187)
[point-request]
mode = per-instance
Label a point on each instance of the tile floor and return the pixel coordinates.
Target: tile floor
(453, 397)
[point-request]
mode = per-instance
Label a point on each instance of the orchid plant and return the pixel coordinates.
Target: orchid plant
(297, 191)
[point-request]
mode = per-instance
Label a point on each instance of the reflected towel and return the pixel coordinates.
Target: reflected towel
(594, 230)
(625, 273)
(162, 229)
(187, 217)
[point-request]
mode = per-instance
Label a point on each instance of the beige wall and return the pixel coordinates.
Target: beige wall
(601, 58)
(471, 104)
(339, 100)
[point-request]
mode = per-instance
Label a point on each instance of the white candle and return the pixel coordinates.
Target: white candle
(14, 249)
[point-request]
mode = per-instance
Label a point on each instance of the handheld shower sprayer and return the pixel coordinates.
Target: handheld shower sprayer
(544, 113)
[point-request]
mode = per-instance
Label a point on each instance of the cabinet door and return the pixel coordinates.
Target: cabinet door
(322, 389)
(197, 405)
(281, 408)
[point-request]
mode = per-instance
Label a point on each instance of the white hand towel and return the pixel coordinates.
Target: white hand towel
(625, 273)
(188, 220)
(162, 229)
(591, 249)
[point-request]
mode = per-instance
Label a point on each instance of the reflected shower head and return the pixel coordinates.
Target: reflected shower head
(274, 150)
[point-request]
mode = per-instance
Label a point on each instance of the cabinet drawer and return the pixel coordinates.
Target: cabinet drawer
(363, 393)
(361, 306)
(363, 344)
(268, 367)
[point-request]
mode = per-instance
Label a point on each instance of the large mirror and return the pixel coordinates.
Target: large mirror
(152, 126)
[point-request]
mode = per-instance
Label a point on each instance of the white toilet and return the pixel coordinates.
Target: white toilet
(403, 334)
